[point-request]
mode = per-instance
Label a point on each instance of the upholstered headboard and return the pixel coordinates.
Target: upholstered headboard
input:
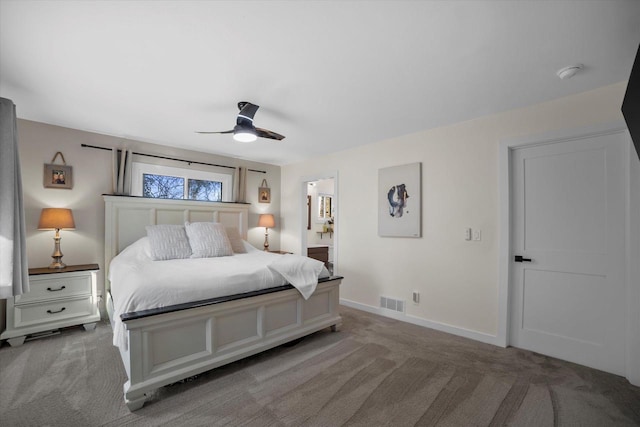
(125, 218)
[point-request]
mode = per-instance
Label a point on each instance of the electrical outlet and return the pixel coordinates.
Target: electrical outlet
(416, 297)
(477, 235)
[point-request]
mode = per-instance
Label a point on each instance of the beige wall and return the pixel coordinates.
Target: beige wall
(457, 279)
(39, 142)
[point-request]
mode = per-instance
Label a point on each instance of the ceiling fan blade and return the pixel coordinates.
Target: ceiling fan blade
(244, 124)
(247, 111)
(264, 133)
(224, 131)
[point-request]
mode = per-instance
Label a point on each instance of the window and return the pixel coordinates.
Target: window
(162, 186)
(166, 182)
(200, 189)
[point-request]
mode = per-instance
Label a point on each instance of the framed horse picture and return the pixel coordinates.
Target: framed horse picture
(400, 201)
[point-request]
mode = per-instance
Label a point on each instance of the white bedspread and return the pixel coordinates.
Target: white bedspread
(301, 272)
(139, 283)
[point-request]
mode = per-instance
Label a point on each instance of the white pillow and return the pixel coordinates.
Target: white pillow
(248, 247)
(236, 240)
(208, 239)
(168, 241)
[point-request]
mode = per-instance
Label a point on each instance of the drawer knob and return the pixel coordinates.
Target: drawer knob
(56, 290)
(54, 312)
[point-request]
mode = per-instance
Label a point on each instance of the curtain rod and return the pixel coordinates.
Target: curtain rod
(172, 158)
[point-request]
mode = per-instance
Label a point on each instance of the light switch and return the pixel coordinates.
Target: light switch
(477, 235)
(467, 234)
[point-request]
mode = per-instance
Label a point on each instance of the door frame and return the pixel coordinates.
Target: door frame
(303, 213)
(505, 251)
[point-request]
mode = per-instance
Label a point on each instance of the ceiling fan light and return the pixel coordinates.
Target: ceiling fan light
(245, 135)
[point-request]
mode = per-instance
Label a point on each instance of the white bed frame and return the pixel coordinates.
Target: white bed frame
(167, 346)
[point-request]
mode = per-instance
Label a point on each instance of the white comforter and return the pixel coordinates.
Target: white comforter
(139, 283)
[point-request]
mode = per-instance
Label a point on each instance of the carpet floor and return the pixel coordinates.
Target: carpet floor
(374, 372)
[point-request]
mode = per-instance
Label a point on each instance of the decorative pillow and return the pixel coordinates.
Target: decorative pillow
(236, 240)
(208, 239)
(168, 241)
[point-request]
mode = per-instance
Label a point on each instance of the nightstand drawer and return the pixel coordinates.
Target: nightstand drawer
(48, 288)
(32, 314)
(321, 253)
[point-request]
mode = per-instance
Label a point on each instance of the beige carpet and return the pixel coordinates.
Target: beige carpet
(374, 372)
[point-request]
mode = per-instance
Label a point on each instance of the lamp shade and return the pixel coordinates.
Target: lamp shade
(56, 218)
(266, 220)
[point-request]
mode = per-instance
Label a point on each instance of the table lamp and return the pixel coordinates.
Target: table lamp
(267, 221)
(56, 219)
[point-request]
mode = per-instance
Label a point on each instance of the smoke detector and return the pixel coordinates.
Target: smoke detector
(570, 71)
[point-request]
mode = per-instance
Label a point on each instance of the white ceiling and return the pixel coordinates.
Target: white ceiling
(329, 75)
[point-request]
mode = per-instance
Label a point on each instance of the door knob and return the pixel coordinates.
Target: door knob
(519, 258)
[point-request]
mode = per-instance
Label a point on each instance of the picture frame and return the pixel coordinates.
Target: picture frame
(400, 201)
(58, 176)
(264, 192)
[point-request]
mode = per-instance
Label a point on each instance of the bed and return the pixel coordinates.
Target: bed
(166, 343)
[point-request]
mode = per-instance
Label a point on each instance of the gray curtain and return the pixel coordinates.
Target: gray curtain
(14, 276)
(121, 161)
(240, 185)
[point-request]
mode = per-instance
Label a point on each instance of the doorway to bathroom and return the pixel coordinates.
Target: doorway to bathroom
(320, 220)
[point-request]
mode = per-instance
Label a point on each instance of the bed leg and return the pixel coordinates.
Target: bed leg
(17, 341)
(336, 327)
(134, 401)
(135, 404)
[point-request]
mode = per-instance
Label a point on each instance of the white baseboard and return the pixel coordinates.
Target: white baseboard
(443, 327)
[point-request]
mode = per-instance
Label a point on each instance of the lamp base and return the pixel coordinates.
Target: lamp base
(57, 263)
(266, 240)
(57, 254)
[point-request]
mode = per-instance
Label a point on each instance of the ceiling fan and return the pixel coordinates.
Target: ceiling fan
(244, 130)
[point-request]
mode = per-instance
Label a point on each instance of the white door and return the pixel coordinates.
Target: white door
(568, 219)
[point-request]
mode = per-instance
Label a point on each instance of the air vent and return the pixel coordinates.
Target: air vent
(392, 304)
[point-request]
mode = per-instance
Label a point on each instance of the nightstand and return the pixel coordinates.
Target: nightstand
(57, 298)
(319, 252)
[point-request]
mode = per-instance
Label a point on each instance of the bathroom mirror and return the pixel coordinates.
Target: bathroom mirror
(325, 207)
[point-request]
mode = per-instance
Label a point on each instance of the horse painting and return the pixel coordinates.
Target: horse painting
(397, 197)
